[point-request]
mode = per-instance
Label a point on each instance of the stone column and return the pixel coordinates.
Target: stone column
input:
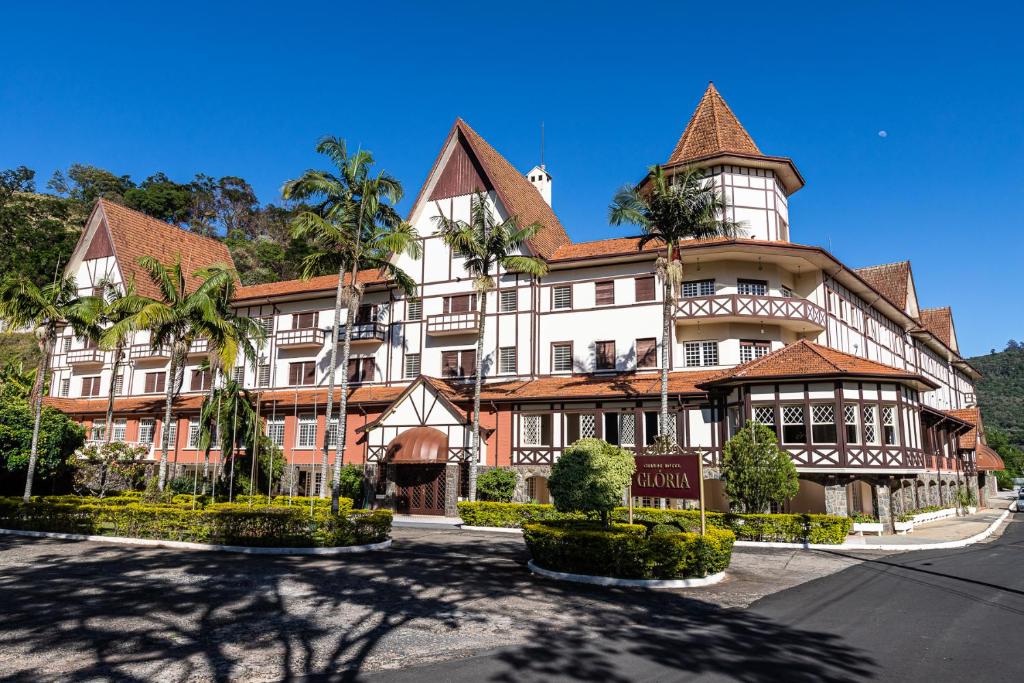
(451, 489)
(883, 503)
(972, 486)
(835, 500)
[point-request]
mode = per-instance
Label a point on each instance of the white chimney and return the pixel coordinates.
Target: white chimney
(541, 179)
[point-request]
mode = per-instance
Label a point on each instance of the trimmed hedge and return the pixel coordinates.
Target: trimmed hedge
(275, 525)
(798, 528)
(627, 551)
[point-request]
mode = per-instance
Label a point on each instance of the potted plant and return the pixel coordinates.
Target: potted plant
(866, 524)
(904, 524)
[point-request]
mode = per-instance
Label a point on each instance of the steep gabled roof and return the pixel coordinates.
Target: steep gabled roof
(939, 321)
(713, 129)
(891, 280)
(807, 359)
(134, 234)
(969, 439)
(518, 195)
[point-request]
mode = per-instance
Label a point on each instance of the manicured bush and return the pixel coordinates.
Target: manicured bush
(627, 551)
(498, 485)
(756, 471)
(591, 477)
(796, 528)
(240, 523)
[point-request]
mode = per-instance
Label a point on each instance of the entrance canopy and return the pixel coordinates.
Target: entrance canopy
(418, 446)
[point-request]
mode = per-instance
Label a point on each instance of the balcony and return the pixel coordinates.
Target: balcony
(309, 338)
(792, 313)
(198, 347)
(85, 357)
(364, 334)
(448, 324)
(147, 352)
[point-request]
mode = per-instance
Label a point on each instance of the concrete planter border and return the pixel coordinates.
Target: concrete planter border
(493, 529)
(630, 583)
(185, 545)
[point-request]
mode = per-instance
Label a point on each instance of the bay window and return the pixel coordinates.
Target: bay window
(794, 428)
(823, 423)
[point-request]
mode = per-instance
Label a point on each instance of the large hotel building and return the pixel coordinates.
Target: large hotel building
(865, 388)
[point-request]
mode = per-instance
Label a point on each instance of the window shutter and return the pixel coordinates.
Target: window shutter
(161, 381)
(369, 366)
(604, 293)
(353, 369)
(645, 288)
(449, 363)
(197, 381)
(303, 321)
(309, 372)
(467, 368)
(605, 355)
(561, 297)
(646, 353)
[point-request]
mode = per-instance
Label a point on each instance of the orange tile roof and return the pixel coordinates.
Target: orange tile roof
(807, 359)
(134, 234)
(594, 386)
(129, 404)
(608, 247)
(939, 321)
(323, 283)
(969, 439)
(891, 280)
(985, 458)
(713, 129)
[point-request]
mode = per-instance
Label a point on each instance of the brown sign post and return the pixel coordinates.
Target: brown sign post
(669, 476)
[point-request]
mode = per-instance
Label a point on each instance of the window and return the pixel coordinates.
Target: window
(458, 363)
(305, 435)
(561, 357)
(508, 300)
(765, 415)
(65, 387)
(647, 353)
(889, 425)
(302, 373)
(463, 303)
(604, 355)
(120, 429)
(90, 386)
(263, 375)
(699, 288)
(332, 433)
(361, 369)
(752, 287)
(119, 385)
(870, 425)
(749, 350)
(644, 288)
(507, 364)
(580, 426)
(193, 435)
(66, 342)
(412, 366)
(650, 427)
(701, 353)
(304, 321)
(627, 429)
(275, 430)
(156, 382)
(852, 428)
(794, 430)
(238, 375)
(787, 292)
(535, 430)
(823, 423)
(414, 309)
(99, 429)
(604, 293)
(147, 427)
(366, 314)
(267, 323)
(172, 436)
(561, 297)
(200, 380)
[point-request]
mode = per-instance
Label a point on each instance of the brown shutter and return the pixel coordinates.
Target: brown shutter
(646, 353)
(369, 366)
(645, 288)
(196, 384)
(459, 304)
(155, 382)
(605, 355)
(353, 369)
(604, 293)
(309, 372)
(449, 363)
(467, 368)
(303, 321)
(294, 373)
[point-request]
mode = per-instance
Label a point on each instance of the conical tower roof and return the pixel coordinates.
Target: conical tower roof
(713, 129)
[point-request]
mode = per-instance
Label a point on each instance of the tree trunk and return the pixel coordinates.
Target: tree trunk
(115, 364)
(331, 378)
(46, 346)
(477, 381)
(209, 442)
(165, 433)
(666, 335)
(339, 453)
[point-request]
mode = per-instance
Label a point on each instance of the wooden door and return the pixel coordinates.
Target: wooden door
(421, 489)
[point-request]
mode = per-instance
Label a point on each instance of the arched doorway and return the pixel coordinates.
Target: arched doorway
(419, 457)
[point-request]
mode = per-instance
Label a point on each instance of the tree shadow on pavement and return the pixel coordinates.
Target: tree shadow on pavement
(87, 611)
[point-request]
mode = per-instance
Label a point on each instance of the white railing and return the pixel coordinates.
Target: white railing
(752, 307)
(85, 356)
(454, 323)
(306, 337)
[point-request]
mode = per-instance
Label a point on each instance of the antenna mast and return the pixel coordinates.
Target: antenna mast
(542, 144)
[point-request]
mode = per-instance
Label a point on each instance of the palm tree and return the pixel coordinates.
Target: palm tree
(102, 310)
(20, 380)
(228, 414)
(180, 317)
(47, 310)
(352, 225)
(486, 246)
(669, 210)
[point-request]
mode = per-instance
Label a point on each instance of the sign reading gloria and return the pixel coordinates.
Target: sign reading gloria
(667, 476)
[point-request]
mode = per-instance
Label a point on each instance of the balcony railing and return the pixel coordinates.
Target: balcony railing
(147, 352)
(198, 347)
(298, 339)
(777, 310)
(454, 323)
(85, 357)
(364, 332)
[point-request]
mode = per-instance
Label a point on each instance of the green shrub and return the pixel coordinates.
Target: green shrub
(498, 485)
(863, 518)
(627, 551)
(350, 480)
(756, 471)
(509, 515)
(591, 477)
(663, 529)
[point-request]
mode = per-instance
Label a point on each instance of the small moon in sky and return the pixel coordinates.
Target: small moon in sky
(883, 133)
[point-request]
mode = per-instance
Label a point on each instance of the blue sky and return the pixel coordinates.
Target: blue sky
(246, 89)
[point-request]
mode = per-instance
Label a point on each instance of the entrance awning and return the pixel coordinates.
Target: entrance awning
(418, 446)
(988, 459)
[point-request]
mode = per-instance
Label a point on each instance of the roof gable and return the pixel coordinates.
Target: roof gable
(891, 280)
(939, 321)
(713, 129)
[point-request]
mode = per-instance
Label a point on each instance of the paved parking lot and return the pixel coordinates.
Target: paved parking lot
(79, 610)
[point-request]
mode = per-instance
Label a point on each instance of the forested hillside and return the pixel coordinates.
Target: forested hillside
(1001, 390)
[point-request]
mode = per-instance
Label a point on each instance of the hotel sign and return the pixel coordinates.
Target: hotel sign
(667, 476)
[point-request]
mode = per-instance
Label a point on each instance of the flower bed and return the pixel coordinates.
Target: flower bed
(800, 528)
(627, 551)
(237, 524)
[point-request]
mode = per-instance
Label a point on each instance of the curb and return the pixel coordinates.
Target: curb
(492, 529)
(633, 583)
(185, 545)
